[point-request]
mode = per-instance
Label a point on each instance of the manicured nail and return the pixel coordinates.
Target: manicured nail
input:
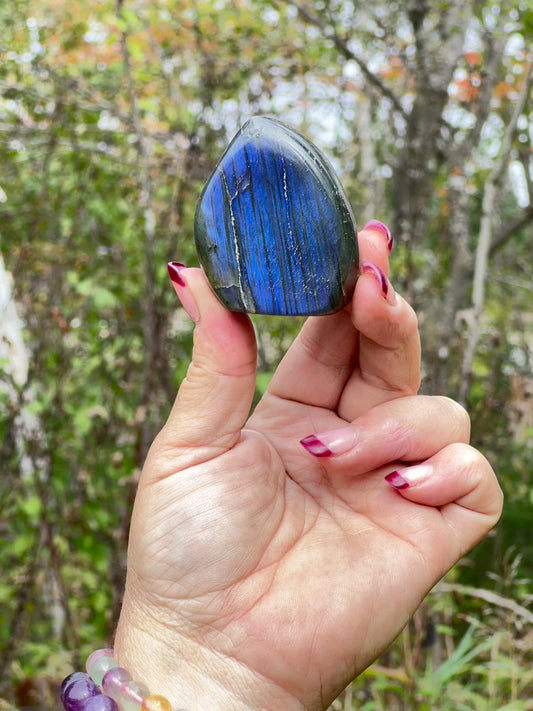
(396, 480)
(328, 444)
(180, 287)
(384, 283)
(377, 225)
(174, 269)
(410, 476)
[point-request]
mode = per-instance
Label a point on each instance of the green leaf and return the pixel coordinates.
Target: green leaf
(22, 544)
(31, 506)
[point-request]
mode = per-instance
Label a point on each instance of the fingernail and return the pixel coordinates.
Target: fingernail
(180, 287)
(328, 444)
(410, 476)
(396, 480)
(174, 269)
(377, 225)
(384, 284)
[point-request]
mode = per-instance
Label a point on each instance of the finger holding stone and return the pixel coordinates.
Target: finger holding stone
(389, 346)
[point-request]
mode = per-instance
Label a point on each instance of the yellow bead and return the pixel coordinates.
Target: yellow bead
(156, 703)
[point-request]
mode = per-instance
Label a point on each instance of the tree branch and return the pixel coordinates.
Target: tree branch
(489, 72)
(331, 33)
(524, 156)
(521, 219)
(73, 88)
(490, 192)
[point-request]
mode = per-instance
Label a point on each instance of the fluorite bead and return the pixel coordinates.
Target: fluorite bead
(129, 694)
(155, 702)
(114, 680)
(274, 231)
(132, 696)
(99, 662)
(74, 694)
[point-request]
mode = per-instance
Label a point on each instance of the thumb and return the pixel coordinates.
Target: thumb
(215, 397)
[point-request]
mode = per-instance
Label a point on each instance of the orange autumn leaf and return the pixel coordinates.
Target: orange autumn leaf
(466, 92)
(502, 89)
(472, 58)
(394, 70)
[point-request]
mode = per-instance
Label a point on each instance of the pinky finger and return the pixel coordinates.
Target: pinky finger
(459, 481)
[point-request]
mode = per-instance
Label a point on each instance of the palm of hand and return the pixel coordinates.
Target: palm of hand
(262, 539)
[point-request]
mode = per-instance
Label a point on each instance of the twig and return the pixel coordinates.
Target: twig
(522, 218)
(488, 596)
(331, 33)
(494, 48)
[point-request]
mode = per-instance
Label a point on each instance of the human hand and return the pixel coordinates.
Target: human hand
(261, 576)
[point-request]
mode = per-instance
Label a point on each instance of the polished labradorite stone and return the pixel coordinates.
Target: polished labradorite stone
(274, 231)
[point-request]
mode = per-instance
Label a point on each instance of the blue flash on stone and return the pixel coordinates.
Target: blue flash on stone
(274, 231)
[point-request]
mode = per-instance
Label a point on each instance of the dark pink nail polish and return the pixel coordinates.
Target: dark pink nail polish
(315, 447)
(382, 279)
(174, 269)
(396, 480)
(377, 225)
(184, 293)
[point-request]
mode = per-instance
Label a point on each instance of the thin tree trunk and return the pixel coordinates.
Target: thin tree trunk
(488, 210)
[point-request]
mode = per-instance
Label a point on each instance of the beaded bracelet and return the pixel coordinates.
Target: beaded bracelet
(108, 687)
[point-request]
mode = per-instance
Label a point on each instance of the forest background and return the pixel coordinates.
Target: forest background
(112, 116)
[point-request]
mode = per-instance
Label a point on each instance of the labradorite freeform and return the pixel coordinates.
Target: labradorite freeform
(274, 230)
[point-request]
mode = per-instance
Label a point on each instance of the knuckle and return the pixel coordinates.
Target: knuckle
(458, 418)
(478, 473)
(319, 349)
(472, 462)
(403, 330)
(411, 321)
(401, 432)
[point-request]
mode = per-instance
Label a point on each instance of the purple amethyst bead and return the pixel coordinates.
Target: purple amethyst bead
(70, 679)
(100, 703)
(75, 693)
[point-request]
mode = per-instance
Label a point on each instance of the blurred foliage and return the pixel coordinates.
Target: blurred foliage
(466, 649)
(112, 115)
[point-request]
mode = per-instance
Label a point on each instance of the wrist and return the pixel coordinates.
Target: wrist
(191, 676)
